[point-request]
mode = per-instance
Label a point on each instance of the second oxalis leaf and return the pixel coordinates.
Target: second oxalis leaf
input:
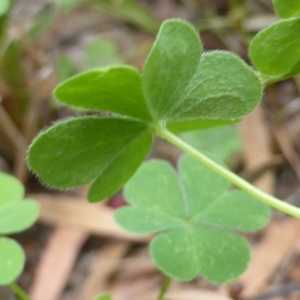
(196, 219)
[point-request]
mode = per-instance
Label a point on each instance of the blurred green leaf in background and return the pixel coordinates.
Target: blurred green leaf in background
(16, 215)
(4, 6)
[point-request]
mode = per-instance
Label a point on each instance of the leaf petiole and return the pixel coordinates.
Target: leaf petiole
(227, 174)
(164, 288)
(19, 291)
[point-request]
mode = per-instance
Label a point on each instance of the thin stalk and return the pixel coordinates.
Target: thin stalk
(19, 291)
(227, 174)
(164, 288)
(213, 23)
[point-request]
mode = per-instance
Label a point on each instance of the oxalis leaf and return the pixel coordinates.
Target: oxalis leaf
(287, 9)
(276, 49)
(195, 218)
(180, 88)
(16, 214)
(104, 151)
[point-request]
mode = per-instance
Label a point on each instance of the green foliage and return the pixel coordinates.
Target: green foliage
(15, 216)
(98, 53)
(105, 296)
(194, 214)
(115, 89)
(101, 52)
(195, 217)
(276, 49)
(65, 67)
(65, 5)
(220, 142)
(287, 9)
(4, 6)
(12, 260)
(15, 77)
(42, 23)
(185, 89)
(131, 11)
(180, 88)
(104, 150)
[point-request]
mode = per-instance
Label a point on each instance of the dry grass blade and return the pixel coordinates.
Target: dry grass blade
(196, 295)
(256, 150)
(57, 262)
(73, 211)
(287, 147)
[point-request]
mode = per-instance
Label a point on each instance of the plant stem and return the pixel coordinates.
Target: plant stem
(227, 174)
(19, 291)
(164, 288)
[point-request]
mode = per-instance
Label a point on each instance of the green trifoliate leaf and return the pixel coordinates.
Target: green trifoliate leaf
(287, 8)
(15, 215)
(12, 260)
(195, 217)
(180, 89)
(116, 89)
(104, 151)
(276, 49)
(187, 90)
(221, 142)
